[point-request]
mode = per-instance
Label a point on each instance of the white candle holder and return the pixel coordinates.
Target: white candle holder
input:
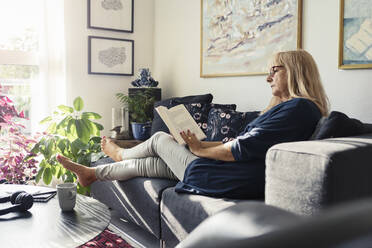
(119, 123)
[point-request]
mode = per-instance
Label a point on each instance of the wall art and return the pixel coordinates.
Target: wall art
(110, 56)
(355, 41)
(239, 37)
(113, 15)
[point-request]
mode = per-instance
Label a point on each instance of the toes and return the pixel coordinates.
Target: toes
(60, 158)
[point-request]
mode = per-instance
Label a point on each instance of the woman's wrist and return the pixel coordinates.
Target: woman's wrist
(198, 151)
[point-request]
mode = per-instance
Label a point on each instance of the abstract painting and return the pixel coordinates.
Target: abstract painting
(355, 41)
(110, 56)
(239, 37)
(113, 15)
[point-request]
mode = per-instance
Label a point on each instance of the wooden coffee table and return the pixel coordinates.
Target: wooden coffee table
(45, 225)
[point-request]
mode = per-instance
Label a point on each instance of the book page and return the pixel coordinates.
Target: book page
(178, 119)
(183, 121)
(163, 113)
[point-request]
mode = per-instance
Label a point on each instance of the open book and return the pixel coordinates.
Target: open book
(178, 119)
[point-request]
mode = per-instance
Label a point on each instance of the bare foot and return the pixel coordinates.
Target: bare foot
(111, 149)
(86, 175)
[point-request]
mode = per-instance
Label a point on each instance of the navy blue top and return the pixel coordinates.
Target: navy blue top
(293, 120)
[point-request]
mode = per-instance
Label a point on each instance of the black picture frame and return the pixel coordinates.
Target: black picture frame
(102, 17)
(110, 56)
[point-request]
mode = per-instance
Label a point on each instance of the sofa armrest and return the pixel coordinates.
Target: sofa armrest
(238, 223)
(304, 177)
(347, 225)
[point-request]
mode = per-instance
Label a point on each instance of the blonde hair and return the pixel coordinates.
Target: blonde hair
(303, 79)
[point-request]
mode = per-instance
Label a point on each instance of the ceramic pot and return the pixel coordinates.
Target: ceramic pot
(141, 131)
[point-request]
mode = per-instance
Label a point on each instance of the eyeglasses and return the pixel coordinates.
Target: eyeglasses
(274, 70)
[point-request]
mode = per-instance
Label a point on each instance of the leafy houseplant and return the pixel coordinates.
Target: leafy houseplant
(140, 107)
(72, 133)
(16, 166)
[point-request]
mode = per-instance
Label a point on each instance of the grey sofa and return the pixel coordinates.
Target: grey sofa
(257, 225)
(302, 178)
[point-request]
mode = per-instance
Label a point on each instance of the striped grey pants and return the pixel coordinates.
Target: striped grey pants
(160, 156)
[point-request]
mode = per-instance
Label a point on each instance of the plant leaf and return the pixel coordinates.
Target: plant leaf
(62, 145)
(39, 174)
(76, 146)
(71, 129)
(60, 171)
(65, 109)
(52, 128)
(90, 115)
(99, 126)
(53, 170)
(46, 120)
(57, 170)
(93, 128)
(78, 103)
(69, 177)
(47, 176)
(63, 124)
(82, 130)
(36, 148)
(96, 139)
(49, 148)
(87, 125)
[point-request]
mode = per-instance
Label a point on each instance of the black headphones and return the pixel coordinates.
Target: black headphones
(22, 201)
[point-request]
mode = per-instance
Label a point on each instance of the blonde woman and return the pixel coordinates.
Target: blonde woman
(235, 169)
(303, 79)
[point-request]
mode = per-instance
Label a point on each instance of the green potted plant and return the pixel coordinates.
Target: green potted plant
(140, 108)
(72, 133)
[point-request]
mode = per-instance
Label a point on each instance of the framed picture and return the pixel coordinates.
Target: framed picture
(110, 56)
(113, 15)
(355, 41)
(238, 38)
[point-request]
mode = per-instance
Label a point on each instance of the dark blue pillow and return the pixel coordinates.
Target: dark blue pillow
(200, 111)
(338, 124)
(157, 122)
(224, 125)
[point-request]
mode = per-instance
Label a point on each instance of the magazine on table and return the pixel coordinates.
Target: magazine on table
(178, 119)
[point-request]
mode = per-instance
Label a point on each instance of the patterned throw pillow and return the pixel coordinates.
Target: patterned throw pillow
(157, 122)
(200, 111)
(224, 125)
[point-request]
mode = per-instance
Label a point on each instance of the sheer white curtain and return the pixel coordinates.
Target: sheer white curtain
(50, 90)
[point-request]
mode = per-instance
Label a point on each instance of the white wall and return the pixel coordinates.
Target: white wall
(177, 60)
(98, 92)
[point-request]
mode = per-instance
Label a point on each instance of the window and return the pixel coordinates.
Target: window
(19, 51)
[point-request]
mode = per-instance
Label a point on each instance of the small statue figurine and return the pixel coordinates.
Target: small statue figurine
(145, 79)
(119, 134)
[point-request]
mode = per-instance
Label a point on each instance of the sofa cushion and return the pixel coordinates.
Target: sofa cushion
(344, 226)
(157, 122)
(181, 213)
(225, 124)
(200, 111)
(137, 200)
(338, 124)
(237, 224)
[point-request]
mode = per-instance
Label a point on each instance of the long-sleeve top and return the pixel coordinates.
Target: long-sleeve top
(244, 178)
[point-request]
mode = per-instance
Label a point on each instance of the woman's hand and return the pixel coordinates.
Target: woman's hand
(194, 144)
(212, 150)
